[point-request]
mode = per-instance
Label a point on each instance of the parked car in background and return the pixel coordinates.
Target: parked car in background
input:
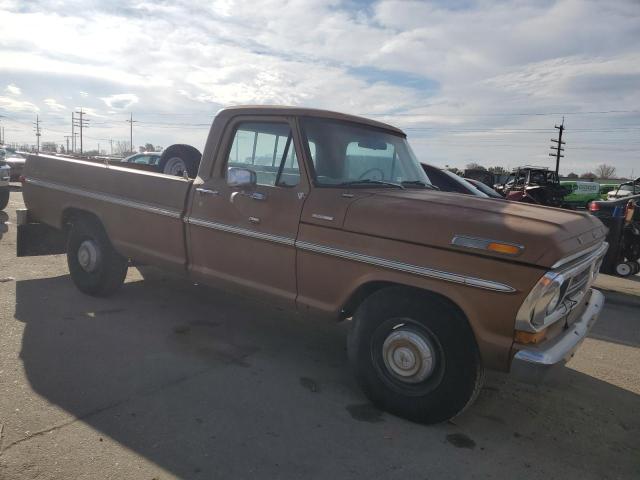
(144, 158)
(581, 193)
(447, 181)
(625, 190)
(605, 188)
(537, 185)
(5, 172)
(484, 188)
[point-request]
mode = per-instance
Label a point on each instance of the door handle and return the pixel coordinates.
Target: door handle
(206, 191)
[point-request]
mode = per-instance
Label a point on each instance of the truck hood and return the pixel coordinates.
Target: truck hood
(433, 218)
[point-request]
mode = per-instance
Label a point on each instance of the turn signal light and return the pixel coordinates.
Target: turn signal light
(529, 337)
(503, 248)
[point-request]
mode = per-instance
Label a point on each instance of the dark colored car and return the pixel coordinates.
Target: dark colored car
(622, 218)
(484, 188)
(450, 182)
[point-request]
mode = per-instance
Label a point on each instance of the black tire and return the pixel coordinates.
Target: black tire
(189, 155)
(4, 198)
(110, 269)
(457, 374)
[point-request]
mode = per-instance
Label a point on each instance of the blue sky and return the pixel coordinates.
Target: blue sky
(469, 81)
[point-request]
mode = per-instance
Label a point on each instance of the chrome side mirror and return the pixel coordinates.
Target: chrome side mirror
(241, 177)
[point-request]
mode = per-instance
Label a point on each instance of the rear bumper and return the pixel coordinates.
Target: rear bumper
(533, 363)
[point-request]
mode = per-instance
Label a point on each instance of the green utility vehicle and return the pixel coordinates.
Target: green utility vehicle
(581, 193)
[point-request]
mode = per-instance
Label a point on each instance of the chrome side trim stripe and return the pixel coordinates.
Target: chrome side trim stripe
(405, 267)
(241, 231)
(146, 207)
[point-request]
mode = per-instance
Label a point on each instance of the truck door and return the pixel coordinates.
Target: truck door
(245, 235)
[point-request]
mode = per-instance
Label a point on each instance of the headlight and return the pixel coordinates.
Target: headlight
(540, 303)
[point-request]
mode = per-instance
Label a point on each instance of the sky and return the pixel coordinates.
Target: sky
(468, 81)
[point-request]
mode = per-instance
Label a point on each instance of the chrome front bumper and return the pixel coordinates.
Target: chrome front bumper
(534, 362)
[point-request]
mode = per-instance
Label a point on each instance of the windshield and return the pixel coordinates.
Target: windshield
(346, 154)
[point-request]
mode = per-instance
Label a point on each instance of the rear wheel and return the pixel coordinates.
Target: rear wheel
(4, 198)
(414, 355)
(95, 267)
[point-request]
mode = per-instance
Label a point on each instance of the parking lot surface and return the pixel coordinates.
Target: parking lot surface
(168, 379)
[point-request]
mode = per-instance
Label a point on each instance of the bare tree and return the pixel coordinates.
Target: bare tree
(605, 171)
(121, 147)
(588, 175)
(498, 170)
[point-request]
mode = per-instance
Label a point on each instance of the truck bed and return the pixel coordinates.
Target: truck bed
(141, 211)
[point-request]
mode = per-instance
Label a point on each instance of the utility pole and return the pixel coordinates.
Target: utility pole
(81, 122)
(67, 137)
(73, 133)
(37, 129)
(111, 146)
(131, 121)
(559, 147)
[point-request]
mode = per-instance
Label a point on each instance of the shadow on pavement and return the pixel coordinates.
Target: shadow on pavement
(207, 384)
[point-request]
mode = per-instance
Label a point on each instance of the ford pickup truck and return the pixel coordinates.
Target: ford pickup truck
(331, 215)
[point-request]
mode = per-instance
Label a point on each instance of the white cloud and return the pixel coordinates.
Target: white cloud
(121, 101)
(84, 94)
(13, 105)
(13, 90)
(54, 105)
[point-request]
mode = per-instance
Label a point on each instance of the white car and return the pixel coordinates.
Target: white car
(625, 190)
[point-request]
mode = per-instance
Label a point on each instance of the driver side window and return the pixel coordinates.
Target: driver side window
(267, 149)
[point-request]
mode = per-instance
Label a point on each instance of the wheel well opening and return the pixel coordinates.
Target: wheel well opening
(71, 215)
(367, 289)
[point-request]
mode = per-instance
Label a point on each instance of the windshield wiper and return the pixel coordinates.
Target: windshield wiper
(367, 181)
(419, 183)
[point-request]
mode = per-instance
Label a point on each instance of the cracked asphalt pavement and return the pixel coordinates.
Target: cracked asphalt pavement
(173, 380)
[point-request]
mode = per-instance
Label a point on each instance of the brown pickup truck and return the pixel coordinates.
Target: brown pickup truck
(331, 214)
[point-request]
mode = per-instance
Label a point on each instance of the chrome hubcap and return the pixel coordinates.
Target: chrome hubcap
(408, 355)
(175, 166)
(88, 256)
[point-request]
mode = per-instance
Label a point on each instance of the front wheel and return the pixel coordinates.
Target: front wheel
(414, 355)
(95, 266)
